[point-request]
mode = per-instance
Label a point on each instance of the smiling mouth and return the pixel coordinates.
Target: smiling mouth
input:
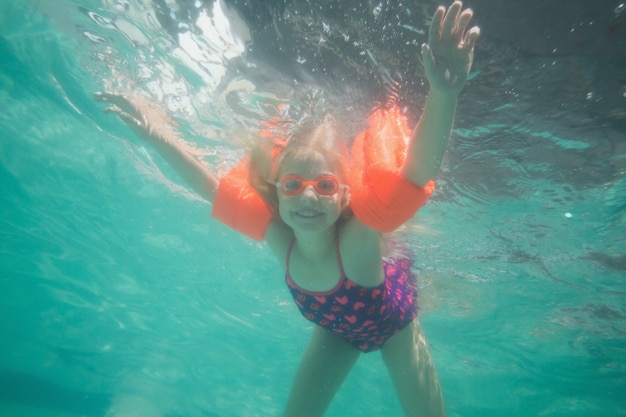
(308, 214)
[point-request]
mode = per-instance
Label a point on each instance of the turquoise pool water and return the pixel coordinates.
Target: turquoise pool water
(119, 292)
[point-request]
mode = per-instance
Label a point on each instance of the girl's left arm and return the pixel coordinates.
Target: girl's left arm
(447, 61)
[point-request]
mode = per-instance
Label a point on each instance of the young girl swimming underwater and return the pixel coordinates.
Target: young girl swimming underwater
(322, 208)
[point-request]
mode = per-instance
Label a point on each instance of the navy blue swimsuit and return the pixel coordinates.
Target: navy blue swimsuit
(366, 317)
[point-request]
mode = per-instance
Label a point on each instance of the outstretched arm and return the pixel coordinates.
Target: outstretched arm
(447, 61)
(156, 126)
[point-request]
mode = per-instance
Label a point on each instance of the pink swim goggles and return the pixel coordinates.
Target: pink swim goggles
(323, 185)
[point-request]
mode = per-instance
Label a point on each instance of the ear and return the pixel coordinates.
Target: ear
(345, 198)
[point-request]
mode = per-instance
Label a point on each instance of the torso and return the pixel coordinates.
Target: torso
(365, 316)
(360, 253)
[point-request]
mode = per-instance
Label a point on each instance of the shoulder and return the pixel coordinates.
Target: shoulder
(360, 252)
(278, 237)
(353, 231)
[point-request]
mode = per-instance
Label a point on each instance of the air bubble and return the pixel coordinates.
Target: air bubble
(377, 9)
(101, 20)
(620, 8)
(93, 37)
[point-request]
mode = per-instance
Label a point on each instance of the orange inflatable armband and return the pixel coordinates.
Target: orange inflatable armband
(381, 197)
(238, 205)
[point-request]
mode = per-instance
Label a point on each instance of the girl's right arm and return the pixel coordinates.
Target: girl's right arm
(156, 126)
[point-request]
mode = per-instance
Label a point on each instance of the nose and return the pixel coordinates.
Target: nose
(309, 194)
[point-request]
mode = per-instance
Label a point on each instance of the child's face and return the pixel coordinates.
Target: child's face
(310, 209)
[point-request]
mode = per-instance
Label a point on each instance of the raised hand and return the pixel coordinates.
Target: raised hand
(449, 53)
(156, 126)
(144, 116)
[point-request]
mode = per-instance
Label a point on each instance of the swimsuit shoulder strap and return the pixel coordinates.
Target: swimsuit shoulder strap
(338, 252)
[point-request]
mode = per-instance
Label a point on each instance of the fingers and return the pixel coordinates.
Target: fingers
(108, 97)
(434, 33)
(125, 116)
(98, 95)
(119, 103)
(450, 25)
(470, 37)
(461, 25)
(428, 59)
(116, 99)
(132, 120)
(450, 21)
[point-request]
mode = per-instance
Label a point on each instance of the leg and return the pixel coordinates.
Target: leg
(324, 366)
(413, 373)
